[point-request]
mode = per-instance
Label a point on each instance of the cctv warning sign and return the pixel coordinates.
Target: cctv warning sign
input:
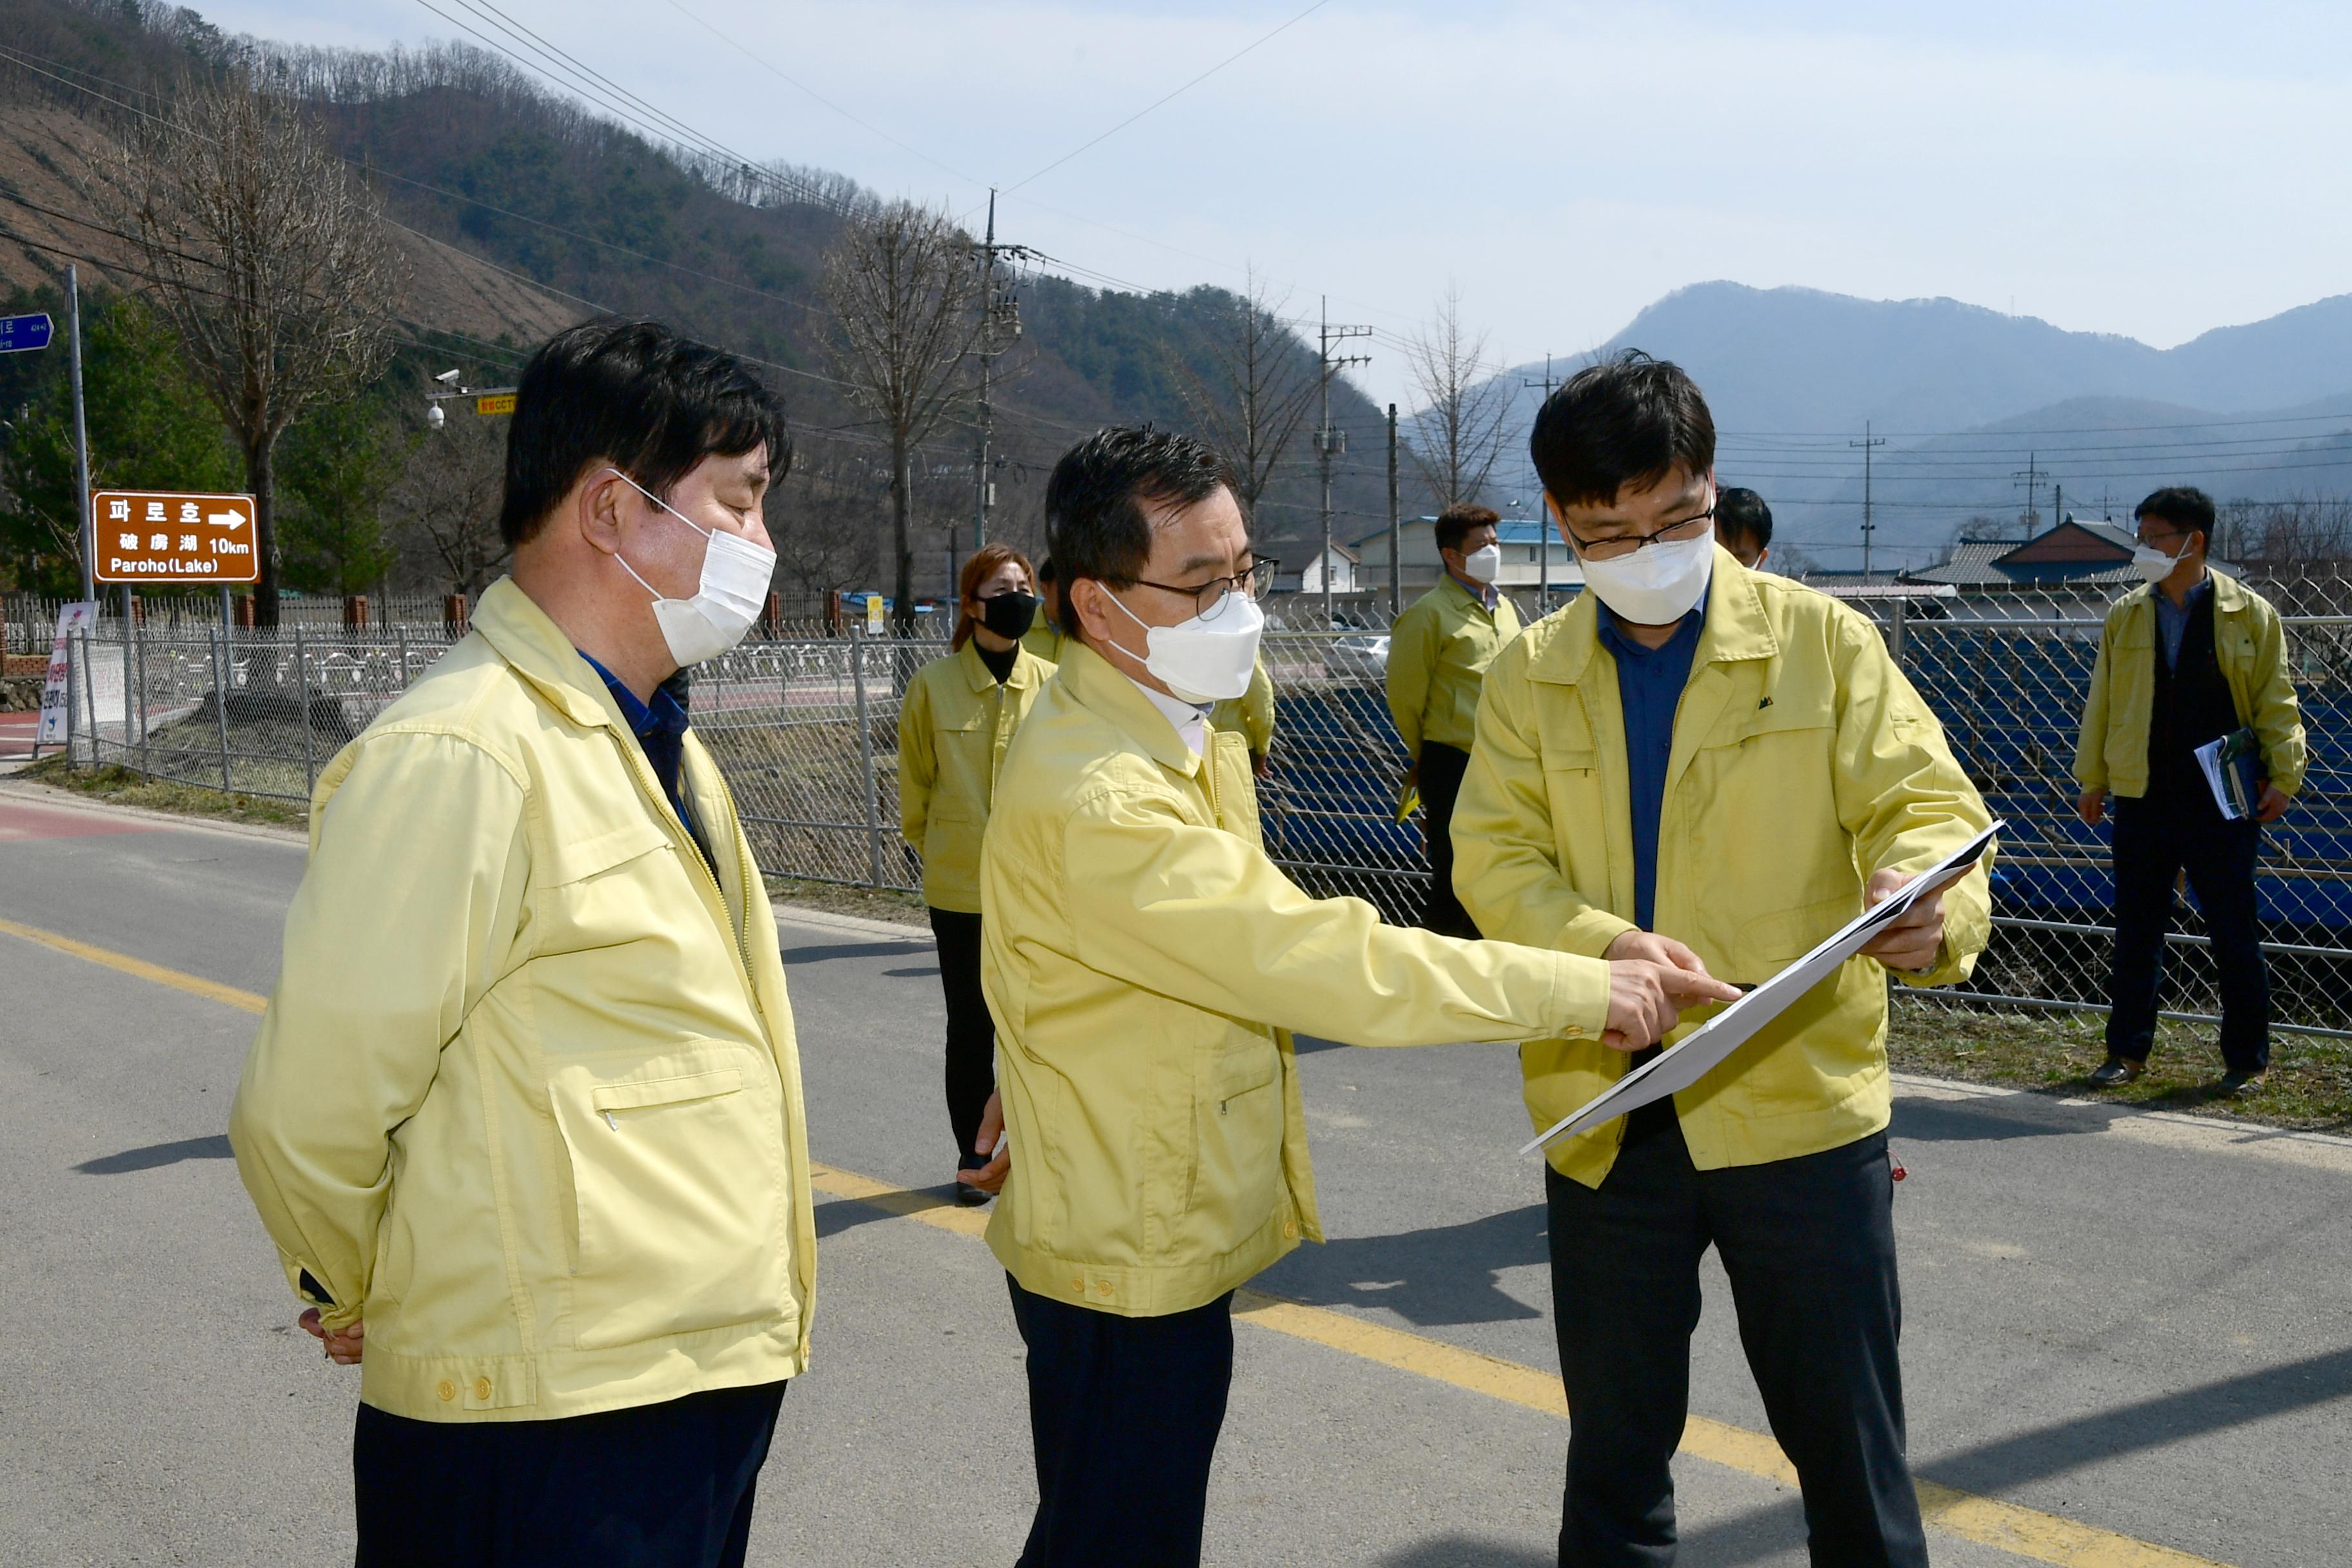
(159, 536)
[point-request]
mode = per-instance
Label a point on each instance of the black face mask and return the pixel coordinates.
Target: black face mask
(1009, 615)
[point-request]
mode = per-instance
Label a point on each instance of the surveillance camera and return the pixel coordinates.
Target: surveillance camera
(448, 377)
(433, 417)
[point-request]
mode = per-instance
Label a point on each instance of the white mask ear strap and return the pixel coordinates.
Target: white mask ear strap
(1132, 616)
(632, 571)
(659, 503)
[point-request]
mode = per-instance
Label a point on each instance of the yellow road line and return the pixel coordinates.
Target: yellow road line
(2023, 1531)
(195, 985)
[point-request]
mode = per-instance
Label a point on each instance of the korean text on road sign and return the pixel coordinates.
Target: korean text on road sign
(164, 536)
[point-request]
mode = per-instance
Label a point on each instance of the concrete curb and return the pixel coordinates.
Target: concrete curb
(827, 919)
(2327, 1150)
(50, 797)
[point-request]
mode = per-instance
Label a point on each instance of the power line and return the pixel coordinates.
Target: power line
(1156, 102)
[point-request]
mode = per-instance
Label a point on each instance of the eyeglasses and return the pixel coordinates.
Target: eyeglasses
(1618, 548)
(1210, 598)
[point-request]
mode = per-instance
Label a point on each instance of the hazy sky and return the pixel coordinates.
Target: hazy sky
(2138, 168)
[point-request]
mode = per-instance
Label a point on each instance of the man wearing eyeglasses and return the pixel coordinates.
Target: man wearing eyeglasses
(2189, 659)
(1145, 963)
(1714, 768)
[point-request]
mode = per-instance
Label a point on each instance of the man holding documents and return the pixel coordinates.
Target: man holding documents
(1698, 763)
(1145, 963)
(2193, 658)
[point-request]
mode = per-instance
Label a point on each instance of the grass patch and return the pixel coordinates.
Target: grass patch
(121, 786)
(2309, 1085)
(870, 903)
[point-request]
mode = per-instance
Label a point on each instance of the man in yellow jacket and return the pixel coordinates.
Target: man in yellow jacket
(1145, 962)
(1708, 765)
(2192, 657)
(1439, 651)
(524, 1117)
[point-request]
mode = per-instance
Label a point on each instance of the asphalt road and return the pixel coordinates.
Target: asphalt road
(2125, 1322)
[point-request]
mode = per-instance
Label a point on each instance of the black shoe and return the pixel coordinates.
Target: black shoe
(2236, 1083)
(2119, 1071)
(969, 1196)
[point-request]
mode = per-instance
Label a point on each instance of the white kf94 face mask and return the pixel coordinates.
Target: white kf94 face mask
(1483, 564)
(2152, 564)
(1202, 661)
(735, 577)
(1658, 584)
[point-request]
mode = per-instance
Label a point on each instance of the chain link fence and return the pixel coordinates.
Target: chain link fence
(806, 730)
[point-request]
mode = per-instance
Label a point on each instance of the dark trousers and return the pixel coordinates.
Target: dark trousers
(1442, 768)
(2157, 839)
(1124, 1413)
(660, 1486)
(971, 1033)
(1810, 1246)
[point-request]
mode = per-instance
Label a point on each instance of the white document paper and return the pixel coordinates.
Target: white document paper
(1705, 1047)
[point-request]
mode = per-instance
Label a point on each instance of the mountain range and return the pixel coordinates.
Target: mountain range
(1984, 416)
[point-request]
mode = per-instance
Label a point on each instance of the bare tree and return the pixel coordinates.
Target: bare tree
(1458, 432)
(270, 261)
(1259, 392)
(904, 287)
(823, 518)
(444, 507)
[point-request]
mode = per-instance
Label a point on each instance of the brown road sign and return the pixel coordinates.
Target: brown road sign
(168, 537)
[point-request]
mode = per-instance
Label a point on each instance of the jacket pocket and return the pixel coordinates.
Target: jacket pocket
(678, 1206)
(1237, 1115)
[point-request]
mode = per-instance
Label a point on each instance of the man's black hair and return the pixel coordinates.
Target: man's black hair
(1627, 421)
(1097, 524)
(1456, 523)
(1742, 512)
(636, 395)
(2185, 507)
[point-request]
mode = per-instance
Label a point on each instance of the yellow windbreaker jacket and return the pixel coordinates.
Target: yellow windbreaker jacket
(1251, 713)
(1045, 639)
(953, 727)
(1439, 651)
(2249, 644)
(527, 1095)
(1802, 761)
(1145, 963)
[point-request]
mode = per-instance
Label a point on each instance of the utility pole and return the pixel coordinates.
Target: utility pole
(1543, 514)
(1331, 443)
(2057, 505)
(81, 442)
(2030, 477)
(1000, 308)
(1868, 444)
(1396, 524)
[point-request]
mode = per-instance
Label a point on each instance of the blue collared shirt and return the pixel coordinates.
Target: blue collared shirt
(660, 729)
(2173, 620)
(1486, 593)
(1650, 684)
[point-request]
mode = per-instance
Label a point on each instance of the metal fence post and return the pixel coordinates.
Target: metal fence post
(1894, 631)
(73, 702)
(400, 636)
(139, 650)
(866, 758)
(220, 689)
(302, 692)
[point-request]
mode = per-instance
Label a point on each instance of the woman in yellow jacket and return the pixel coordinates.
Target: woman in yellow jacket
(959, 715)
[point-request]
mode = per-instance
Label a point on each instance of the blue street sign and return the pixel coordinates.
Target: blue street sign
(20, 333)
